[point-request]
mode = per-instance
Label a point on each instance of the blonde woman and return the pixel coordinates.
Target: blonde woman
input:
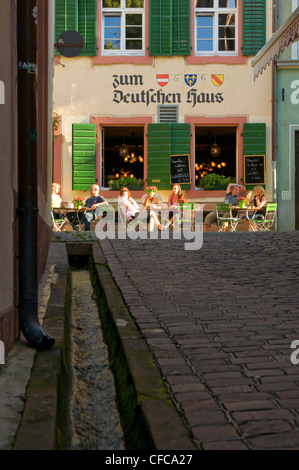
(259, 200)
(151, 203)
(175, 198)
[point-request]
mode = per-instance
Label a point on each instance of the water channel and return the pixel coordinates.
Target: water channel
(94, 414)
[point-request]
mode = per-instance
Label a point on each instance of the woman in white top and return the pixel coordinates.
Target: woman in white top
(56, 201)
(152, 202)
(128, 205)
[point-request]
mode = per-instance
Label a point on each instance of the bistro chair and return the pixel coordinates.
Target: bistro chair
(266, 224)
(57, 224)
(225, 217)
(186, 214)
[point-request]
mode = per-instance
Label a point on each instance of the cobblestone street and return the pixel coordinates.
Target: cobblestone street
(220, 322)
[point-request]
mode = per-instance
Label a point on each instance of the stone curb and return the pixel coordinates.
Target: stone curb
(165, 427)
(41, 424)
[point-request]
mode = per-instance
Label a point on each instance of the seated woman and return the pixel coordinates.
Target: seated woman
(127, 205)
(57, 214)
(174, 200)
(259, 200)
(152, 202)
(56, 201)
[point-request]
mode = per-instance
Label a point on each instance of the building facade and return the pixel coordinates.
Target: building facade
(287, 126)
(157, 79)
(41, 15)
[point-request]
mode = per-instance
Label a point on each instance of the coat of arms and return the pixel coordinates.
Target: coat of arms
(162, 80)
(217, 79)
(190, 79)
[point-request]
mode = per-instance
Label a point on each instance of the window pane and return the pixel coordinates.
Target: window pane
(133, 33)
(111, 3)
(204, 46)
(205, 21)
(204, 3)
(131, 44)
(227, 33)
(205, 33)
(227, 3)
(227, 45)
(134, 3)
(112, 32)
(134, 20)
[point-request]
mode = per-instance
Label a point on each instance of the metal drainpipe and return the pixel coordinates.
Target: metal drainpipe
(27, 180)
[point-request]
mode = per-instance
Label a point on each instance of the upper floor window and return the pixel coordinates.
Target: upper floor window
(123, 27)
(216, 27)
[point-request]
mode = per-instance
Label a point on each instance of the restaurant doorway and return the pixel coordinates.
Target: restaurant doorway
(122, 153)
(215, 152)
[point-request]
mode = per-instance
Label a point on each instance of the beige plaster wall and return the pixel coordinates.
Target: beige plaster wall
(82, 90)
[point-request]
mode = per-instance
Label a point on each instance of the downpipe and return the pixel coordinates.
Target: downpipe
(27, 211)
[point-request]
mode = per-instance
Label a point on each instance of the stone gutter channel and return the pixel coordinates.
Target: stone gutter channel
(98, 388)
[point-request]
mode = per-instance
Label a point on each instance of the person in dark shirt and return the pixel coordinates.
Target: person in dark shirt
(232, 195)
(92, 208)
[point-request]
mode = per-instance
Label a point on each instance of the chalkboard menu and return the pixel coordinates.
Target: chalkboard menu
(254, 169)
(179, 169)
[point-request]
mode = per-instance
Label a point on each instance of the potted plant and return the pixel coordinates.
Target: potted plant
(79, 202)
(214, 181)
(128, 181)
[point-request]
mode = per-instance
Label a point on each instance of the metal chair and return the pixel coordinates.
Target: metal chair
(225, 217)
(186, 214)
(57, 224)
(266, 224)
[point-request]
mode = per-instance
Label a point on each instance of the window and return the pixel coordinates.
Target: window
(123, 27)
(216, 27)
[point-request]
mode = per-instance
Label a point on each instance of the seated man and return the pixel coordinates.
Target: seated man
(232, 195)
(92, 206)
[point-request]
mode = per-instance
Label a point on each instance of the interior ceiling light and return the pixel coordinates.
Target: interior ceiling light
(215, 150)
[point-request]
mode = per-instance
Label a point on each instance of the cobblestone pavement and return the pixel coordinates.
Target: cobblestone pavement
(220, 322)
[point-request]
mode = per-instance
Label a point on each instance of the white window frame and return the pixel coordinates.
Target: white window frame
(215, 12)
(122, 11)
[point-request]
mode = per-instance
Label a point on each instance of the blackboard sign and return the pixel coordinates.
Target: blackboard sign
(179, 169)
(254, 169)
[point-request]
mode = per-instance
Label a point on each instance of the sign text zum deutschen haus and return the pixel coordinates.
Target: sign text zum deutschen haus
(193, 96)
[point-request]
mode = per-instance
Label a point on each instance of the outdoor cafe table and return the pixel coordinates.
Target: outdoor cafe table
(76, 221)
(251, 209)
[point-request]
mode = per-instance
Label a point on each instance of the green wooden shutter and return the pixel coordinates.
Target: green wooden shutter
(180, 142)
(159, 151)
(254, 139)
(87, 25)
(254, 26)
(81, 16)
(181, 27)
(160, 27)
(84, 156)
(165, 140)
(169, 27)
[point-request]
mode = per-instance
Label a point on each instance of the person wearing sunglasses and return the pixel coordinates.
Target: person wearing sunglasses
(127, 204)
(232, 195)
